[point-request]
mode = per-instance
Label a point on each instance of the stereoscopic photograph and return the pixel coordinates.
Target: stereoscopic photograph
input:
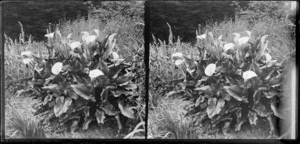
(222, 70)
(149, 70)
(74, 70)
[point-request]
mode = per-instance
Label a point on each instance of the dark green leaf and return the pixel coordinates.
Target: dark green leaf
(214, 106)
(100, 116)
(236, 92)
(83, 91)
(87, 121)
(123, 79)
(252, 117)
(58, 106)
(126, 110)
(109, 109)
(261, 110)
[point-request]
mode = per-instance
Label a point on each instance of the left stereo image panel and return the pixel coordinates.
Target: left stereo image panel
(74, 70)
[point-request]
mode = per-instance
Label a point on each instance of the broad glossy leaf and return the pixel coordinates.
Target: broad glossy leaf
(117, 93)
(126, 111)
(123, 79)
(58, 106)
(238, 126)
(74, 126)
(54, 88)
(109, 109)
(206, 89)
(86, 111)
(236, 92)
(83, 91)
(110, 44)
(100, 116)
(103, 67)
(114, 70)
(276, 111)
(261, 110)
(252, 117)
(267, 72)
(47, 99)
(87, 121)
(262, 47)
(214, 106)
(130, 86)
(56, 68)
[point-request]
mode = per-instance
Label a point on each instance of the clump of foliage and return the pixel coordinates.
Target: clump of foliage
(85, 81)
(231, 84)
(23, 127)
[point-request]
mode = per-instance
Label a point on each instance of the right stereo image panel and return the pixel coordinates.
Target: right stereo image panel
(222, 70)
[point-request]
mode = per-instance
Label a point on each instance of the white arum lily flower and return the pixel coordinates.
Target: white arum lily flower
(210, 69)
(97, 32)
(211, 34)
(249, 74)
(74, 45)
(115, 56)
(220, 37)
(95, 73)
(268, 57)
(243, 40)
(50, 35)
(249, 33)
(203, 36)
(236, 37)
(27, 60)
(56, 68)
(177, 56)
(27, 54)
(87, 38)
(179, 62)
(228, 46)
(69, 36)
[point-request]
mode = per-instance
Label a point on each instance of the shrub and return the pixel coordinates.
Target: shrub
(230, 85)
(85, 81)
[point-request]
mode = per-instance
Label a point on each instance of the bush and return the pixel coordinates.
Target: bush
(230, 85)
(85, 81)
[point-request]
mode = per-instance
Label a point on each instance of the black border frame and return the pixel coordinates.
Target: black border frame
(147, 14)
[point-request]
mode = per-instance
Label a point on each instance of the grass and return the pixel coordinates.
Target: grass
(129, 41)
(164, 118)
